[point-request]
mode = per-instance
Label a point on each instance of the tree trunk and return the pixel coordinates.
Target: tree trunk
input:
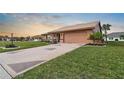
(106, 36)
(12, 38)
(93, 41)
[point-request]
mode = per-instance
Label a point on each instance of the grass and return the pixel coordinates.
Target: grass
(84, 62)
(23, 45)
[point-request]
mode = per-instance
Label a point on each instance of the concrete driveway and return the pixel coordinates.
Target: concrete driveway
(17, 62)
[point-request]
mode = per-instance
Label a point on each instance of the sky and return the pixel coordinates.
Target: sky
(29, 24)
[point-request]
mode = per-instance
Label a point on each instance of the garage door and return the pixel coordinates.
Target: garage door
(77, 37)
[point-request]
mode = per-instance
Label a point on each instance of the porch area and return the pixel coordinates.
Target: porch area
(54, 38)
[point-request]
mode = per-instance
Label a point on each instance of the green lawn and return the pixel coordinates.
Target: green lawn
(84, 62)
(23, 45)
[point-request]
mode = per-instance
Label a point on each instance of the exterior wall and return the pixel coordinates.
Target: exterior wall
(114, 39)
(76, 37)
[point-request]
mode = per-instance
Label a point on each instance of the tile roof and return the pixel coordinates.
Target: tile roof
(84, 26)
(115, 34)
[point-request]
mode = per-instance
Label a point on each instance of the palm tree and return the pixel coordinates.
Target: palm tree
(106, 27)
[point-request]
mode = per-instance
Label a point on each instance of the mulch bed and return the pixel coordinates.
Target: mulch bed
(98, 44)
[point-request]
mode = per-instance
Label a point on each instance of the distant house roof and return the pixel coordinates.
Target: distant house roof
(82, 26)
(115, 34)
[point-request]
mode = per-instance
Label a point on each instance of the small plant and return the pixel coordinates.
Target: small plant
(97, 36)
(10, 46)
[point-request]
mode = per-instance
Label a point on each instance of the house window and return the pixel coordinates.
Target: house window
(110, 38)
(121, 38)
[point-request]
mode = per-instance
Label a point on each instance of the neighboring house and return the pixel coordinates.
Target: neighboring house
(116, 36)
(79, 33)
(37, 39)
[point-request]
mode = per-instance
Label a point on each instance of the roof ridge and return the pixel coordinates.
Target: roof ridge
(83, 23)
(88, 25)
(115, 32)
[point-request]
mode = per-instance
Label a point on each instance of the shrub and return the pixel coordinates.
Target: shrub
(96, 36)
(10, 46)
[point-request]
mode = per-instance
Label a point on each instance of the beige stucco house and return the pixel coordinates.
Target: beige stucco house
(78, 33)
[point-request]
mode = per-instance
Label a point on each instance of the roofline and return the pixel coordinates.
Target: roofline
(115, 32)
(88, 28)
(77, 28)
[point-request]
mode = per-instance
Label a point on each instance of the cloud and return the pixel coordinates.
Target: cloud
(38, 23)
(29, 24)
(34, 17)
(28, 30)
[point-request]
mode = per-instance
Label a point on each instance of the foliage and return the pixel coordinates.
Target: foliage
(10, 46)
(106, 27)
(96, 36)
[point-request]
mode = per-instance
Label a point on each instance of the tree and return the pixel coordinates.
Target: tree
(106, 27)
(12, 38)
(96, 36)
(5, 37)
(92, 38)
(22, 38)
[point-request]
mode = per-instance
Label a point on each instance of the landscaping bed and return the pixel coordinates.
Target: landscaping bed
(95, 44)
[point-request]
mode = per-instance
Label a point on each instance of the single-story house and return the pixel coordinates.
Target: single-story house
(116, 36)
(79, 33)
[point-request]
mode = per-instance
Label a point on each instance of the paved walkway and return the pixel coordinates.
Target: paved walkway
(4, 74)
(17, 62)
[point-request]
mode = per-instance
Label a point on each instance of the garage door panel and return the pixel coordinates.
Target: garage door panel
(77, 37)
